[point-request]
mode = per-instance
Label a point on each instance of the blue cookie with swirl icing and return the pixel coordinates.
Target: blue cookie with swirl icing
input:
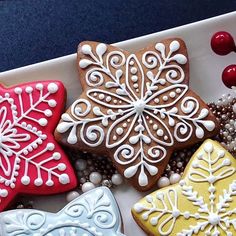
(94, 213)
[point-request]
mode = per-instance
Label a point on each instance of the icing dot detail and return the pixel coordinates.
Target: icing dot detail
(108, 99)
(160, 132)
(176, 213)
(52, 88)
(43, 121)
(119, 131)
(226, 162)
(208, 147)
(64, 179)
(186, 214)
(155, 126)
(124, 125)
(133, 70)
(39, 86)
(25, 180)
(48, 112)
(134, 78)
(38, 182)
(131, 63)
(214, 219)
(52, 103)
(101, 96)
(49, 183)
(172, 94)
(178, 90)
(56, 155)
(3, 193)
(165, 98)
(50, 146)
(18, 90)
(28, 89)
(61, 166)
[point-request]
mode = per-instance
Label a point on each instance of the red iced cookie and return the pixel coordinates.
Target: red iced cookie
(31, 161)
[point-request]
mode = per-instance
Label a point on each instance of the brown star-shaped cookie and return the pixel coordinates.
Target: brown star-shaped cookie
(135, 107)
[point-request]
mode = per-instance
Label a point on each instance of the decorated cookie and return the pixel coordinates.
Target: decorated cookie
(136, 108)
(203, 203)
(31, 161)
(94, 213)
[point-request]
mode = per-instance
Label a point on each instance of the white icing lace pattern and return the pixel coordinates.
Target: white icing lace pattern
(209, 217)
(21, 144)
(148, 105)
(92, 214)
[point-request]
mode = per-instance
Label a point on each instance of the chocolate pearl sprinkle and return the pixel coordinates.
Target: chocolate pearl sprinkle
(226, 115)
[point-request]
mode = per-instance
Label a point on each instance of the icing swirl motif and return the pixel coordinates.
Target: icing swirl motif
(29, 157)
(95, 213)
(203, 203)
(138, 107)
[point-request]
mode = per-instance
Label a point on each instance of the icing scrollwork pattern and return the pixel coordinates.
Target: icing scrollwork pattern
(208, 191)
(30, 158)
(93, 214)
(137, 106)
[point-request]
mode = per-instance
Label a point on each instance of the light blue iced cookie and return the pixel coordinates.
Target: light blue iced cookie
(94, 213)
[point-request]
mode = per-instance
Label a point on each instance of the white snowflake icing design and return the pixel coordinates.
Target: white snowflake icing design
(9, 140)
(94, 213)
(213, 216)
(23, 111)
(139, 108)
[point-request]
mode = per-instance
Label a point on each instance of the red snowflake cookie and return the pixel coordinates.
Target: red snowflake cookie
(31, 161)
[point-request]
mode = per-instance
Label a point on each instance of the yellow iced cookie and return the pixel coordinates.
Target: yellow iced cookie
(203, 203)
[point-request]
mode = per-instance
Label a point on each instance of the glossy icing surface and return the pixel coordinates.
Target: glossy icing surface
(30, 159)
(137, 106)
(203, 203)
(94, 213)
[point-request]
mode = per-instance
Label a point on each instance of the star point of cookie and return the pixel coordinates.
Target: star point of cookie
(203, 203)
(135, 107)
(31, 161)
(93, 213)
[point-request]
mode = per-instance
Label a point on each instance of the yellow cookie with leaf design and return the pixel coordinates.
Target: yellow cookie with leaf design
(203, 203)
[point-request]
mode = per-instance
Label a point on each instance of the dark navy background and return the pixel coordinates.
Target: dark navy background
(36, 30)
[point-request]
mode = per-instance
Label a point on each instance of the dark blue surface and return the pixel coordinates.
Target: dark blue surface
(36, 30)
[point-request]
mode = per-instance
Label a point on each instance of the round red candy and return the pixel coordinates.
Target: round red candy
(229, 76)
(222, 43)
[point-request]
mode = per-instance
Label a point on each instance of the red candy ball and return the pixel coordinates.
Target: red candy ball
(229, 76)
(222, 43)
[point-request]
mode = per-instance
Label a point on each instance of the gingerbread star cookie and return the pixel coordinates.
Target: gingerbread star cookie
(95, 213)
(203, 203)
(31, 161)
(136, 108)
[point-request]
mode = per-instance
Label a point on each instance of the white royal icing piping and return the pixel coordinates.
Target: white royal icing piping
(11, 141)
(133, 102)
(209, 217)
